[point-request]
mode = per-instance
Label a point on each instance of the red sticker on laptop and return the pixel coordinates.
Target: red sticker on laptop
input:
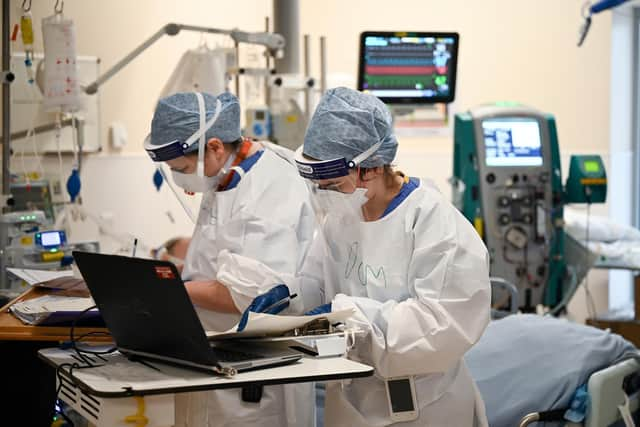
(164, 272)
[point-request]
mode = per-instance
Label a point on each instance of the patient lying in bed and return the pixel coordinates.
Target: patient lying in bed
(529, 363)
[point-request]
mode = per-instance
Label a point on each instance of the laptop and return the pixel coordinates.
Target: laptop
(147, 309)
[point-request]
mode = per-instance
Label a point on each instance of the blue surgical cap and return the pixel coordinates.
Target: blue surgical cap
(346, 123)
(177, 117)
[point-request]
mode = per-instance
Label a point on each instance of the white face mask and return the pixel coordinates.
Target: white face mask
(343, 204)
(195, 183)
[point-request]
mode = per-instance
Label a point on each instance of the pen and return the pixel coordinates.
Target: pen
(135, 245)
(280, 302)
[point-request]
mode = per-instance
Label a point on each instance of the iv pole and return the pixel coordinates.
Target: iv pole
(273, 42)
(7, 78)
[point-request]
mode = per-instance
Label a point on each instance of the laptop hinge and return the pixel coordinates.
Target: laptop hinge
(226, 371)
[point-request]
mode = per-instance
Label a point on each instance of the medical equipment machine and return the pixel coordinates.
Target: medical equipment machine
(33, 195)
(507, 182)
(258, 123)
(587, 180)
(31, 244)
(408, 67)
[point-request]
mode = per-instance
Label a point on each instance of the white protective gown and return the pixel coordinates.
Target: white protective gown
(249, 238)
(419, 281)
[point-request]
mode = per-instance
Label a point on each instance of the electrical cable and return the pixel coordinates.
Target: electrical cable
(591, 307)
(31, 134)
(73, 340)
(58, 148)
(79, 352)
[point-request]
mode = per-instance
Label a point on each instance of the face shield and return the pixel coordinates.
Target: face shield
(335, 185)
(193, 183)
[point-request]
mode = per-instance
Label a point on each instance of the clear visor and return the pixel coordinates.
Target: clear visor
(338, 201)
(164, 152)
(335, 185)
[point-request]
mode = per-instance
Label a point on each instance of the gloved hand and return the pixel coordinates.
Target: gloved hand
(321, 309)
(266, 303)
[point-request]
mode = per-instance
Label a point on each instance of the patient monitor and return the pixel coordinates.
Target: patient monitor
(507, 182)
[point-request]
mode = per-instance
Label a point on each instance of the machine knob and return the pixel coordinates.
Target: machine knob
(527, 218)
(544, 176)
(491, 178)
(503, 201)
(504, 219)
(541, 270)
(526, 200)
(515, 178)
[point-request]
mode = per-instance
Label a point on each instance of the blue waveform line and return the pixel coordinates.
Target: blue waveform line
(399, 61)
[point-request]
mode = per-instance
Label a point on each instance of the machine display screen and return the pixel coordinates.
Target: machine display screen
(51, 239)
(408, 68)
(591, 166)
(512, 142)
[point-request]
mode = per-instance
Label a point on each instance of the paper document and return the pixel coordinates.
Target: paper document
(53, 280)
(35, 277)
(263, 324)
(50, 309)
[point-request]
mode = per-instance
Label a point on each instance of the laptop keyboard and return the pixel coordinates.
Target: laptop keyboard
(225, 355)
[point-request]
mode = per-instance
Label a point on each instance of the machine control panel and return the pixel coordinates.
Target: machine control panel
(507, 181)
(514, 156)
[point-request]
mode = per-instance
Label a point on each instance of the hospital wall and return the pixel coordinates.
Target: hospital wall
(510, 50)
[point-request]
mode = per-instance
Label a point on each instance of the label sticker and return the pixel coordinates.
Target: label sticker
(164, 272)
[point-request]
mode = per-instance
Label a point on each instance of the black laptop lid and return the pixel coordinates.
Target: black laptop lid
(145, 306)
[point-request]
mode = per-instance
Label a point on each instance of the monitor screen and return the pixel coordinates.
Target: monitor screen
(51, 238)
(408, 68)
(512, 142)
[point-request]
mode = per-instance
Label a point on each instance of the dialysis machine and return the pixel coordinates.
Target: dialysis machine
(507, 181)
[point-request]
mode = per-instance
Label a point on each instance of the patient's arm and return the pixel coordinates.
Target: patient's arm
(212, 295)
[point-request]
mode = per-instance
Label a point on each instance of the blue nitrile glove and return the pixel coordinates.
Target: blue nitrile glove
(579, 405)
(321, 309)
(266, 303)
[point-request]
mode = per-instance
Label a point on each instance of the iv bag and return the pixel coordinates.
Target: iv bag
(200, 70)
(61, 87)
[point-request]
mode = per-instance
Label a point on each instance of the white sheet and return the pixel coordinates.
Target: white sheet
(601, 229)
(615, 244)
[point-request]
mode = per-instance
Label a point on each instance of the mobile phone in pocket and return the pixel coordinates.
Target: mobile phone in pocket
(401, 395)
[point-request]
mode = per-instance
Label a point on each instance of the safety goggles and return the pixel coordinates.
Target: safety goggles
(317, 170)
(174, 149)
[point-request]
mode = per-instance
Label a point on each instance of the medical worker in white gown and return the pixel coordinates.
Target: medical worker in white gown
(397, 252)
(253, 231)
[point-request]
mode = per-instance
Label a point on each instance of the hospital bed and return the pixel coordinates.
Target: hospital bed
(615, 245)
(529, 367)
